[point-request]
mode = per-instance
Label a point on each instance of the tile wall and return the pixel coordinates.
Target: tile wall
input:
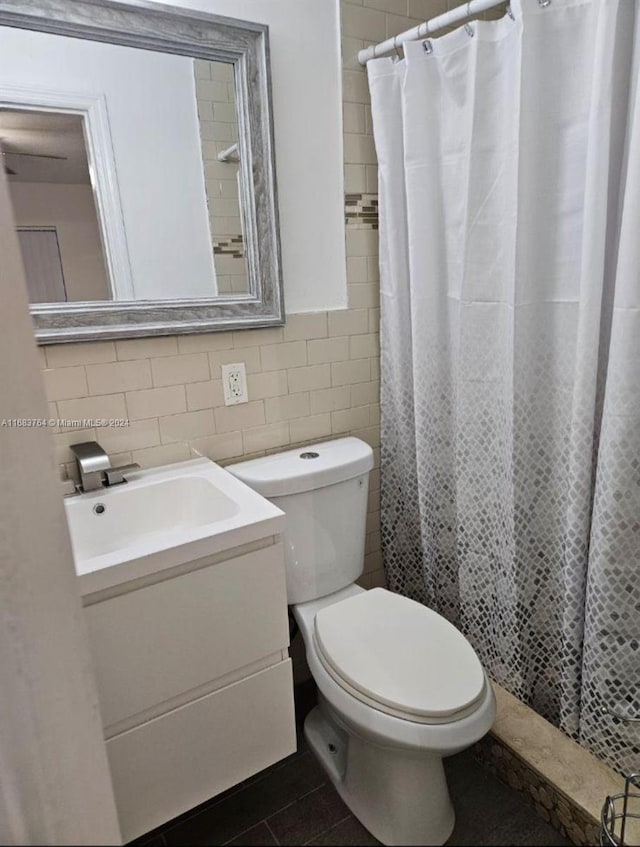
(315, 378)
(216, 98)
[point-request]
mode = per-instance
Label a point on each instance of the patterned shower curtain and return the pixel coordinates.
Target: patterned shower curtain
(509, 168)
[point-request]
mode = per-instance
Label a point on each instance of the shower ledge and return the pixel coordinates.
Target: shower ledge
(566, 783)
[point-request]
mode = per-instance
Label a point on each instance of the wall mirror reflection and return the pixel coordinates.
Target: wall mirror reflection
(45, 160)
(218, 119)
(56, 202)
(142, 179)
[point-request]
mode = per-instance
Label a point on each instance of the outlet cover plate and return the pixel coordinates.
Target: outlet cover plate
(234, 384)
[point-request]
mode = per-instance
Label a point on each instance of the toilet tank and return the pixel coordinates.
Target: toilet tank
(323, 491)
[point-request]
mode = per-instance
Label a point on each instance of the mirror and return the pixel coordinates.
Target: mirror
(45, 161)
(218, 120)
(140, 166)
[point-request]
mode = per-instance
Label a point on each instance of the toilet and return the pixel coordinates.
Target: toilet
(399, 686)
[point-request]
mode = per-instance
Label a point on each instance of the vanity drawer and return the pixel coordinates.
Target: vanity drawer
(180, 759)
(155, 643)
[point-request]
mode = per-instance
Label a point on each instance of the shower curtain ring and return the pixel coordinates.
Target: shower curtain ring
(510, 13)
(395, 46)
(423, 31)
(426, 44)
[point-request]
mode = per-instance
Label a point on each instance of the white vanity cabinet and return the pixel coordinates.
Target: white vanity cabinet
(194, 680)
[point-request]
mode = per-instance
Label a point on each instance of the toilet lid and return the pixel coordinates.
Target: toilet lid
(400, 654)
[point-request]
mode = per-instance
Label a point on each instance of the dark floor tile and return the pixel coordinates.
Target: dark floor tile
(481, 808)
(491, 813)
(149, 841)
(301, 740)
(527, 828)
(305, 695)
(257, 836)
(309, 816)
(346, 833)
(238, 812)
(462, 772)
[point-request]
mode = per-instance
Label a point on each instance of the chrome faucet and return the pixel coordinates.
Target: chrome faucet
(94, 467)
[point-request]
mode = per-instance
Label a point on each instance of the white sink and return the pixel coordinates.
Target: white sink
(161, 518)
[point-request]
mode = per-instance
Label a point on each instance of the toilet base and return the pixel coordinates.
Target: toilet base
(399, 795)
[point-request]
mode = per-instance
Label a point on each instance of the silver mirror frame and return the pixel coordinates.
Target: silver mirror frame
(202, 36)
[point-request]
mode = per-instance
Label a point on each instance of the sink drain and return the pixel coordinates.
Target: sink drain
(99, 509)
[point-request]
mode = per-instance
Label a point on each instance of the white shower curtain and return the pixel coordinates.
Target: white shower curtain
(509, 168)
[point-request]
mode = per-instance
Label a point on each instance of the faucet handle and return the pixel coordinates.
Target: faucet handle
(91, 455)
(116, 476)
(92, 463)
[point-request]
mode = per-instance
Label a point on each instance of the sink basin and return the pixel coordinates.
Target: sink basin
(161, 518)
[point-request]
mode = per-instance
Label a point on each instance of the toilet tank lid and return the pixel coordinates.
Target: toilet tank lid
(306, 468)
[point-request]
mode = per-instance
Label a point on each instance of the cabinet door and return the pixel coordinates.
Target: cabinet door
(177, 761)
(160, 641)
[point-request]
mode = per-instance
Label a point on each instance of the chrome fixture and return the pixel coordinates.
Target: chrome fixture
(230, 154)
(94, 467)
(620, 811)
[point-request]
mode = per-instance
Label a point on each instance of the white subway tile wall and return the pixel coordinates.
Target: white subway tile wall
(215, 95)
(315, 378)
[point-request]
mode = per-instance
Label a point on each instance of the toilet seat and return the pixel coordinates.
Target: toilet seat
(399, 657)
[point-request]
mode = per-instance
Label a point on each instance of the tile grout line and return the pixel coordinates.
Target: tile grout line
(297, 800)
(219, 801)
(271, 832)
(265, 821)
(244, 831)
(325, 831)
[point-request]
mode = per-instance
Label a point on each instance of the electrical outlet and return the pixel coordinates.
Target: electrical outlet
(234, 382)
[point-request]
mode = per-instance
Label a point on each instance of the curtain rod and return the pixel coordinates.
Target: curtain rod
(424, 30)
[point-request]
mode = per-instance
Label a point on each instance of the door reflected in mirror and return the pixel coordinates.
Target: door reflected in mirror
(176, 180)
(45, 160)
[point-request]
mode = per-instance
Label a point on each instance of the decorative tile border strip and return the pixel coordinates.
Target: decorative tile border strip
(361, 211)
(549, 801)
(233, 246)
(564, 781)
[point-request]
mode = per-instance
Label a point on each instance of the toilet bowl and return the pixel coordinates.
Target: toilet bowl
(388, 766)
(399, 686)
